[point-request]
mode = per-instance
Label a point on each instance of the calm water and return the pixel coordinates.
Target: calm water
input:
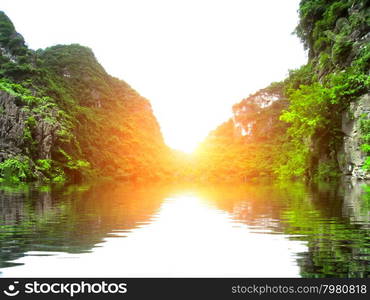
(255, 230)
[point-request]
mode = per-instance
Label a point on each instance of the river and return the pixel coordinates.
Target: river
(125, 230)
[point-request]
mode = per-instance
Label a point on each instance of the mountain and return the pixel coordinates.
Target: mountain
(63, 118)
(316, 123)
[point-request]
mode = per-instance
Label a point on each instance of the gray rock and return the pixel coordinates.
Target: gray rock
(12, 126)
(45, 137)
(13, 123)
(351, 158)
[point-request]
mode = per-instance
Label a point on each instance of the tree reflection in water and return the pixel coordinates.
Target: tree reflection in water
(215, 230)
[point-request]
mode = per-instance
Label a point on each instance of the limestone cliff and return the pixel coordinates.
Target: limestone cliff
(63, 117)
(315, 124)
(351, 157)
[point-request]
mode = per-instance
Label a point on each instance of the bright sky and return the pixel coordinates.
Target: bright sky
(192, 59)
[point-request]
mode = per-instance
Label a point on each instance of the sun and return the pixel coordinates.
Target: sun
(186, 141)
(182, 129)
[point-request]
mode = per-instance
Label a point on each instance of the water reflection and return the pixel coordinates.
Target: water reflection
(257, 230)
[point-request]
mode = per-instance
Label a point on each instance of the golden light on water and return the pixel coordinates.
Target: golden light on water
(187, 237)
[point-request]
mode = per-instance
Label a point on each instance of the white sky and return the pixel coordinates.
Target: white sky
(192, 59)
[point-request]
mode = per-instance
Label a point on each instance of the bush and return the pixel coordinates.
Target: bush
(15, 170)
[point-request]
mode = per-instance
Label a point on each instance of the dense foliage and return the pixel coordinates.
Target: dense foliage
(97, 125)
(310, 103)
(79, 121)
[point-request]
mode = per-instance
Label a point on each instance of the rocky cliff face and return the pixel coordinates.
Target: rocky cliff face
(351, 158)
(12, 124)
(63, 117)
(256, 116)
(14, 128)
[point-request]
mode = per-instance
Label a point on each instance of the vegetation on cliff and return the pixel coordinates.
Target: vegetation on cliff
(64, 118)
(292, 129)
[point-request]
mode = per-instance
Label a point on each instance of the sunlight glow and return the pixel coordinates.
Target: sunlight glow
(191, 59)
(186, 238)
